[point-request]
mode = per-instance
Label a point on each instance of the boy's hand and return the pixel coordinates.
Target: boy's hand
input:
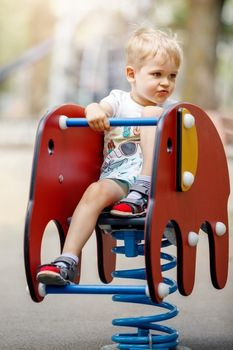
(97, 117)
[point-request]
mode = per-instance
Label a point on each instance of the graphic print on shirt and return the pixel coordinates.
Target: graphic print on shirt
(136, 130)
(110, 146)
(122, 152)
(124, 159)
(126, 131)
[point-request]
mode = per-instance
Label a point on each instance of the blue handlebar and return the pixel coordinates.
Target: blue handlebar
(71, 122)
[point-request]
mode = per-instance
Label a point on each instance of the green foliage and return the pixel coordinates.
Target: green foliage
(180, 13)
(227, 21)
(14, 18)
(20, 23)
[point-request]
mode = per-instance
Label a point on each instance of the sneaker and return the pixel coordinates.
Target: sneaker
(130, 207)
(58, 274)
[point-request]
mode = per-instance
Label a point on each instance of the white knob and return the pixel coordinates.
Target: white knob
(193, 238)
(220, 228)
(41, 290)
(62, 121)
(147, 291)
(188, 178)
(189, 121)
(163, 290)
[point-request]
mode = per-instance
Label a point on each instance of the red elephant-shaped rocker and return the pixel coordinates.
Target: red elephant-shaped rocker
(190, 188)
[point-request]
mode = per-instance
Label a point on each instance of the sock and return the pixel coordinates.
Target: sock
(143, 180)
(67, 255)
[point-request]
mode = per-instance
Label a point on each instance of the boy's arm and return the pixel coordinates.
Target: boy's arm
(97, 115)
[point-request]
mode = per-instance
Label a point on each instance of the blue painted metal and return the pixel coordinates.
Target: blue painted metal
(74, 122)
(150, 334)
(95, 289)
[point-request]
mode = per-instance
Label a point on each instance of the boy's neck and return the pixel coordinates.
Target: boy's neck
(139, 101)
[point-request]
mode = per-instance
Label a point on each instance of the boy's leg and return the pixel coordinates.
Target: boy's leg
(98, 195)
(135, 203)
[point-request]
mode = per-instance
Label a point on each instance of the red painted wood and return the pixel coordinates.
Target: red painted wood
(77, 157)
(61, 175)
(106, 258)
(205, 201)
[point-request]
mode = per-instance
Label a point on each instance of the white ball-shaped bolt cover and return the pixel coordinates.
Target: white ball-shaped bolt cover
(62, 121)
(41, 290)
(189, 121)
(188, 178)
(193, 238)
(163, 290)
(147, 291)
(220, 228)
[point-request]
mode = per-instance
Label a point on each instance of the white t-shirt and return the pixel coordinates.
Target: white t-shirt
(122, 152)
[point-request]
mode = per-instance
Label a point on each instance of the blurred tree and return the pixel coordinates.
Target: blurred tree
(13, 29)
(24, 26)
(203, 28)
(41, 22)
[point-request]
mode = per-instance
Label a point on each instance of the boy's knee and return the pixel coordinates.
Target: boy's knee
(95, 190)
(152, 111)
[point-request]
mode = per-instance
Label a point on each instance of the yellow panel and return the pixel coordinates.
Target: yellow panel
(189, 151)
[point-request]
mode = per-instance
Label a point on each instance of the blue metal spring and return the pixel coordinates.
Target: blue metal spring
(150, 334)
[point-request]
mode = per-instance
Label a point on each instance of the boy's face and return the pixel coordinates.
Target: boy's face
(154, 82)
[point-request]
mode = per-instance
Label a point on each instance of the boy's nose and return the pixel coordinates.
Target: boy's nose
(164, 82)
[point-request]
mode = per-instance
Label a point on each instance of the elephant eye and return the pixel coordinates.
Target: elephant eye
(50, 147)
(169, 146)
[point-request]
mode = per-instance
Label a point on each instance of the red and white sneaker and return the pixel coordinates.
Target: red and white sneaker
(55, 274)
(130, 207)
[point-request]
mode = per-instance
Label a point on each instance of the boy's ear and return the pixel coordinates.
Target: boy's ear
(130, 73)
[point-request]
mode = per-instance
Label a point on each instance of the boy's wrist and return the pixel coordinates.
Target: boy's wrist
(92, 107)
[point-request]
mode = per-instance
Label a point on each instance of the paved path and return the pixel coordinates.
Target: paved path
(84, 322)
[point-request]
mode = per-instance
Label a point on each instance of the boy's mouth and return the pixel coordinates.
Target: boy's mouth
(162, 92)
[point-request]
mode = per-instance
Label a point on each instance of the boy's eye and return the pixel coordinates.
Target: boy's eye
(173, 76)
(156, 74)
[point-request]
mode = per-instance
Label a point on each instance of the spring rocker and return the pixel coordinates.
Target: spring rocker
(190, 189)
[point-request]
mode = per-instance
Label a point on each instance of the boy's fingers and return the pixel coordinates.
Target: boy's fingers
(99, 124)
(92, 126)
(106, 124)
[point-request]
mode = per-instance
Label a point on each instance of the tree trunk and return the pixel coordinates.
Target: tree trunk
(200, 52)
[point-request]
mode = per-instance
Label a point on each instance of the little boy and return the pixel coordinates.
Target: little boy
(153, 59)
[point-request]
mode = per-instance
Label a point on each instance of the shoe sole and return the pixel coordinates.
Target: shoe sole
(51, 278)
(125, 214)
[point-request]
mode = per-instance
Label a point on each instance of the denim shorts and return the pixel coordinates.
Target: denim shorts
(123, 184)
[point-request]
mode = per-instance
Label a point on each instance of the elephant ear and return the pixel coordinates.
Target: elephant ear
(65, 163)
(202, 199)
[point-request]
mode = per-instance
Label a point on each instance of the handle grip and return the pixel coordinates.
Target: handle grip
(65, 122)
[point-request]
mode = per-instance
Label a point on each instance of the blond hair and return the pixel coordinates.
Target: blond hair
(146, 43)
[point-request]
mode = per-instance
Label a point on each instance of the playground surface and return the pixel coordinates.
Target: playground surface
(81, 322)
